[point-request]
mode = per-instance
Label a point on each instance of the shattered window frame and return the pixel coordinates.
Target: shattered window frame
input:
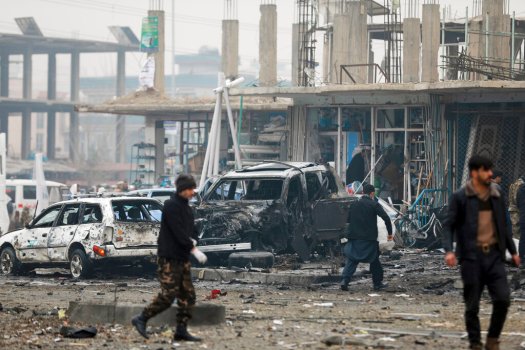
(146, 215)
(91, 215)
(42, 215)
(65, 209)
(213, 195)
(312, 196)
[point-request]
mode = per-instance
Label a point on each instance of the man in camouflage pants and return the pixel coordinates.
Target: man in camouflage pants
(517, 212)
(175, 245)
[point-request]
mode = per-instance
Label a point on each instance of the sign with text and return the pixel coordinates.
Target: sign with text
(149, 40)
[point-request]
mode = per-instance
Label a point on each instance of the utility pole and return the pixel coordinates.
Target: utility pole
(173, 48)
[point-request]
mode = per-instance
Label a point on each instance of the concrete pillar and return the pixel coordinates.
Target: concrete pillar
(327, 56)
(268, 45)
(4, 92)
(74, 121)
(159, 56)
(230, 48)
(452, 51)
(27, 87)
(120, 132)
(51, 95)
(497, 50)
(431, 41)
(295, 53)
(350, 44)
(411, 49)
(160, 134)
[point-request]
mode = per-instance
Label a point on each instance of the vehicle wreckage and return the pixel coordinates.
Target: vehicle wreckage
(280, 207)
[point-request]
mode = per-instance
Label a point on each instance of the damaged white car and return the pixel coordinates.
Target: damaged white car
(84, 232)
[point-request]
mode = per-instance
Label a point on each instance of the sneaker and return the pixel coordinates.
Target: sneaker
(380, 286)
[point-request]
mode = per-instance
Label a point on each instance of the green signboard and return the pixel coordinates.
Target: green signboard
(149, 40)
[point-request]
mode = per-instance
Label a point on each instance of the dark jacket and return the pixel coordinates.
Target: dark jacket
(356, 169)
(462, 222)
(177, 228)
(520, 201)
(362, 219)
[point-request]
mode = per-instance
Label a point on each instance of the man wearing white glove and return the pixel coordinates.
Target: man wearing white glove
(175, 245)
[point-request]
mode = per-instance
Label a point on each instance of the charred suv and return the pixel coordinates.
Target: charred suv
(276, 206)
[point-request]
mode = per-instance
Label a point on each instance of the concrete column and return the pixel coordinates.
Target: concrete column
(160, 134)
(411, 49)
(327, 56)
(121, 120)
(74, 121)
(431, 42)
(340, 48)
(230, 48)
(296, 29)
(27, 87)
(4, 92)
(358, 37)
(159, 56)
(268, 45)
(498, 45)
(51, 95)
(452, 51)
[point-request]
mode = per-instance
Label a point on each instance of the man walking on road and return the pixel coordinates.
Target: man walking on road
(517, 212)
(175, 244)
(362, 246)
(477, 219)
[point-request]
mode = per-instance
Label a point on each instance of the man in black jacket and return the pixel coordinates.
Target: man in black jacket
(362, 246)
(175, 245)
(477, 219)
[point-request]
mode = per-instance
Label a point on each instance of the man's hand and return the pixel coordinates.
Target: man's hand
(200, 256)
(390, 238)
(516, 260)
(450, 259)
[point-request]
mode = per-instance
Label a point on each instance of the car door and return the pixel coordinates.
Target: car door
(137, 223)
(32, 241)
(330, 211)
(63, 232)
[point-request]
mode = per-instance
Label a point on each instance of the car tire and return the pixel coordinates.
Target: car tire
(263, 260)
(9, 263)
(80, 265)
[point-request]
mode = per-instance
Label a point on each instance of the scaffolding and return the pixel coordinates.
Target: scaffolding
(307, 18)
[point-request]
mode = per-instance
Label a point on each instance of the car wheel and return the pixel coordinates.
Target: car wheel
(9, 264)
(79, 264)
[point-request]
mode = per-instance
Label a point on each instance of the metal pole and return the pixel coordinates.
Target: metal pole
(443, 52)
(512, 53)
(236, 149)
(218, 130)
(173, 48)
(206, 169)
(486, 37)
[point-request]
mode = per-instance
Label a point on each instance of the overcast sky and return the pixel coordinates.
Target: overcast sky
(197, 24)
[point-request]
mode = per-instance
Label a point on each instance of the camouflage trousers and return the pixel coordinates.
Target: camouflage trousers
(515, 220)
(175, 282)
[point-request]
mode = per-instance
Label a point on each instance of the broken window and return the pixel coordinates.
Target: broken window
(295, 191)
(92, 214)
(47, 218)
(136, 211)
(250, 189)
(332, 184)
(69, 215)
(313, 186)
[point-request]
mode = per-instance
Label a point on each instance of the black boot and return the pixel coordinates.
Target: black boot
(182, 334)
(139, 322)
(380, 286)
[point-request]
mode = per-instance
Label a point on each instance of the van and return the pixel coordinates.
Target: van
(22, 193)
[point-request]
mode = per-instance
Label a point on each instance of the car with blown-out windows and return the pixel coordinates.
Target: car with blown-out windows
(82, 233)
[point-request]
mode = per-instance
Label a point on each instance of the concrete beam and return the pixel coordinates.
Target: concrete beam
(230, 48)
(268, 45)
(120, 129)
(203, 314)
(51, 95)
(411, 49)
(431, 42)
(74, 121)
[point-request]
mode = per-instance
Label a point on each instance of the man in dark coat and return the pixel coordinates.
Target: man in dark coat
(362, 246)
(477, 220)
(175, 245)
(356, 168)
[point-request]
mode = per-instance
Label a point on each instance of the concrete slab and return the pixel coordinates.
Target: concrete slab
(301, 280)
(116, 313)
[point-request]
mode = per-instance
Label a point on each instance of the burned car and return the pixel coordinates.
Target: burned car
(274, 206)
(84, 232)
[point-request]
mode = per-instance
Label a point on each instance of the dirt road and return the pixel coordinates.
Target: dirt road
(421, 310)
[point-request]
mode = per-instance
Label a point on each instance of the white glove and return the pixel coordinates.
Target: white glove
(200, 256)
(194, 242)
